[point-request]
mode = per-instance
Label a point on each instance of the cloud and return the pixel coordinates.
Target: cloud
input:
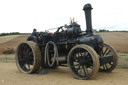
(24, 15)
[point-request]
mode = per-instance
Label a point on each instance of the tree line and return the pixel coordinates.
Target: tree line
(11, 33)
(103, 30)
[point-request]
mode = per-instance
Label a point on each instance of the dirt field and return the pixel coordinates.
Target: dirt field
(9, 75)
(8, 38)
(11, 41)
(119, 40)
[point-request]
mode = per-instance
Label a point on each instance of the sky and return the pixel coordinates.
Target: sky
(25, 15)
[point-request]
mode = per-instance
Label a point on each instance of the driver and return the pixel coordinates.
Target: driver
(34, 33)
(33, 36)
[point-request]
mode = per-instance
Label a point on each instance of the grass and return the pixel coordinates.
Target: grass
(123, 60)
(7, 58)
(122, 67)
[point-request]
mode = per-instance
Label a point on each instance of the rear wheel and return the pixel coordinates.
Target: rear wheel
(28, 57)
(108, 50)
(83, 62)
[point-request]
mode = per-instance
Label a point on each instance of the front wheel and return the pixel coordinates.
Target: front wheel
(83, 62)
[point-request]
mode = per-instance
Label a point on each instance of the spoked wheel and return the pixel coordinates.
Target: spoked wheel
(28, 57)
(108, 50)
(83, 62)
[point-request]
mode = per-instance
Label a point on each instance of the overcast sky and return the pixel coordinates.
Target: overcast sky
(24, 15)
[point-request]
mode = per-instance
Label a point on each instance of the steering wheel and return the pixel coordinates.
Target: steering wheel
(60, 28)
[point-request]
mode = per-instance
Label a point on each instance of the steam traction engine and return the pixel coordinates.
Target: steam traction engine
(83, 52)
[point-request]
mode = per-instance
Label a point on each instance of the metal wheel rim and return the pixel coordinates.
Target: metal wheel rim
(28, 57)
(83, 71)
(108, 50)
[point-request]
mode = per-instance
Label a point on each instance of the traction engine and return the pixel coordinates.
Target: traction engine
(83, 52)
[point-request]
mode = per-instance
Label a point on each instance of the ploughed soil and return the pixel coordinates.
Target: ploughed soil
(10, 75)
(11, 42)
(119, 40)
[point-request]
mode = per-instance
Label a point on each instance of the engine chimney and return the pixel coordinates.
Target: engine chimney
(87, 9)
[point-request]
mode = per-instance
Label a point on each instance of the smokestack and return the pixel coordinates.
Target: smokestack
(87, 9)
